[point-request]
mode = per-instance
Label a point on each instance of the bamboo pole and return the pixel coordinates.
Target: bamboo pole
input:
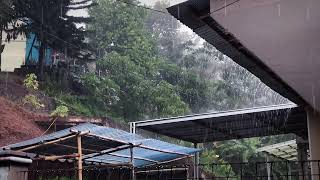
(139, 158)
(133, 177)
(165, 151)
(109, 151)
(169, 161)
(74, 134)
(47, 143)
(53, 158)
(80, 157)
(76, 148)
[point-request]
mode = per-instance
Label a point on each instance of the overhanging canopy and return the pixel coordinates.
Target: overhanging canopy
(236, 124)
(275, 40)
(104, 145)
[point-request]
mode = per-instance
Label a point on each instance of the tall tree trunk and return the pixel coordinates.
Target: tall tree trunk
(41, 60)
(42, 48)
(1, 50)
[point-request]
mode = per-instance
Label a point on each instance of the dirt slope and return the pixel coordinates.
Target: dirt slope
(11, 87)
(17, 124)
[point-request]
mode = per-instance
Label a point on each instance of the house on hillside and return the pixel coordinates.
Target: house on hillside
(25, 51)
(32, 51)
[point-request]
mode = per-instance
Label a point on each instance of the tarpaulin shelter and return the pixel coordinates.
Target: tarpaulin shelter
(92, 144)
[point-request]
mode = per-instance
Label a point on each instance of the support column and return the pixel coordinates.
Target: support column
(79, 157)
(268, 167)
(314, 142)
(302, 148)
(133, 128)
(289, 172)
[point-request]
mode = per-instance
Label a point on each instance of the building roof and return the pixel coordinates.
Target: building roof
(104, 145)
(284, 150)
(243, 32)
(235, 124)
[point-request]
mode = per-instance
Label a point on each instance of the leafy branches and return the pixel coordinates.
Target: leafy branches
(60, 111)
(31, 82)
(33, 101)
(32, 85)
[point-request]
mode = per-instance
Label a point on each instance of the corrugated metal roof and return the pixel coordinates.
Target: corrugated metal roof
(234, 124)
(285, 150)
(99, 138)
(94, 130)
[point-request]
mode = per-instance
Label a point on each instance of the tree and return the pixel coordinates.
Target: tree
(130, 65)
(49, 21)
(237, 87)
(166, 30)
(6, 18)
(212, 163)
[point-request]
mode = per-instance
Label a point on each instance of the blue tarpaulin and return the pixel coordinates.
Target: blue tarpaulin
(96, 139)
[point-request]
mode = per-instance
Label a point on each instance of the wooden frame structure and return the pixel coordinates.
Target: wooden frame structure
(98, 145)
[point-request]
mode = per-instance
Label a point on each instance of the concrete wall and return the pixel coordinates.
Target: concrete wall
(13, 55)
(4, 171)
(283, 34)
(13, 172)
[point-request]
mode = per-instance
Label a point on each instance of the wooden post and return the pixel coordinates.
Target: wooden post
(133, 176)
(196, 163)
(80, 157)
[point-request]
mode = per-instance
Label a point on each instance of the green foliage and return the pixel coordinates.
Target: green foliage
(166, 101)
(215, 165)
(131, 85)
(103, 89)
(225, 153)
(60, 111)
(31, 82)
(33, 101)
(82, 105)
(242, 150)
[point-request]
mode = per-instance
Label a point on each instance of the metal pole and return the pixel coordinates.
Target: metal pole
(133, 128)
(241, 173)
(268, 168)
(80, 157)
(289, 171)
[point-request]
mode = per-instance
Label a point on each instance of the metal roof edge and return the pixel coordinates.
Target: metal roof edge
(215, 114)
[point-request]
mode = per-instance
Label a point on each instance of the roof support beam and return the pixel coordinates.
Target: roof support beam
(108, 151)
(165, 151)
(134, 157)
(75, 148)
(54, 141)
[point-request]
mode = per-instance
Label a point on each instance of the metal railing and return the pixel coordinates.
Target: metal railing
(275, 170)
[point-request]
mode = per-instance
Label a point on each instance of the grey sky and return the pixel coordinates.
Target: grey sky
(151, 2)
(145, 2)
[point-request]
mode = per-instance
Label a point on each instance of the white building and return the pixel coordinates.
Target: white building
(13, 55)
